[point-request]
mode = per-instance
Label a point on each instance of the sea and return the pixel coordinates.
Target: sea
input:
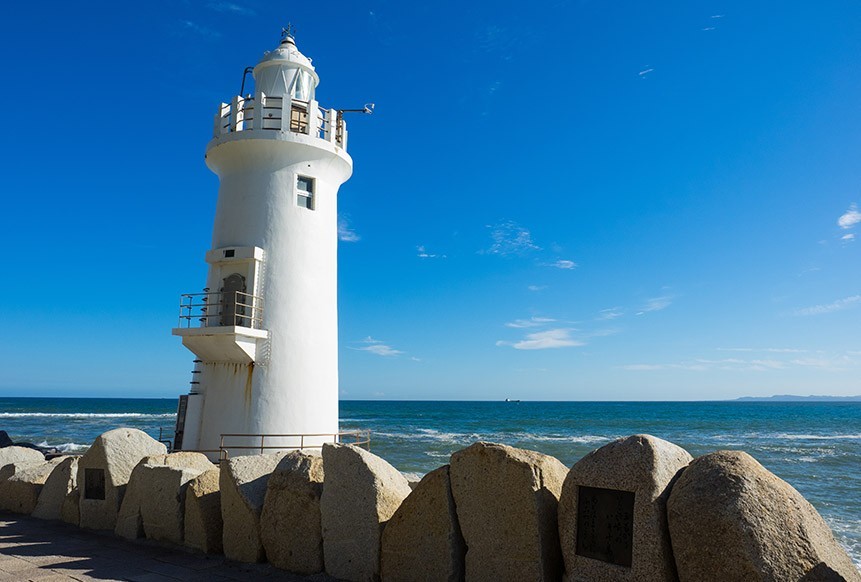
(815, 446)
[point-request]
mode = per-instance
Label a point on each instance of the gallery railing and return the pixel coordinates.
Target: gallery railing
(261, 112)
(220, 309)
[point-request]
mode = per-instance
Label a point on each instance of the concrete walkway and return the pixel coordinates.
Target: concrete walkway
(32, 549)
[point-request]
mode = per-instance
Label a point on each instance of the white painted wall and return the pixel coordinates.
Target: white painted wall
(293, 387)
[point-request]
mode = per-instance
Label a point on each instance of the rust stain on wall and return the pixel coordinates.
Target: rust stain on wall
(248, 384)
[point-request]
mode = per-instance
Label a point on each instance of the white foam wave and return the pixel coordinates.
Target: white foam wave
(847, 533)
(817, 437)
(84, 415)
(65, 447)
(586, 439)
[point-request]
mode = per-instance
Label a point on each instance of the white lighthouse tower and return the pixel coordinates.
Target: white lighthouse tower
(265, 329)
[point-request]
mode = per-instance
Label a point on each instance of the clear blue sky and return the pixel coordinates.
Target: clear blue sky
(554, 200)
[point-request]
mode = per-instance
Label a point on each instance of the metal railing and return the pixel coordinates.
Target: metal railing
(280, 113)
(359, 438)
(220, 309)
(162, 438)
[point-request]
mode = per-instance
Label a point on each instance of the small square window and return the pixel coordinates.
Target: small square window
(305, 184)
(229, 253)
(305, 192)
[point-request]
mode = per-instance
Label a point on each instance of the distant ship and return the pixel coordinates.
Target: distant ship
(511, 400)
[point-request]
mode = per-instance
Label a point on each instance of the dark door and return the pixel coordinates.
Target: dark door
(232, 300)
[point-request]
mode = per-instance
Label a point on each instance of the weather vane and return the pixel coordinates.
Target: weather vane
(289, 31)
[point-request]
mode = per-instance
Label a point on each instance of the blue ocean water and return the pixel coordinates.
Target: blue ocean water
(815, 446)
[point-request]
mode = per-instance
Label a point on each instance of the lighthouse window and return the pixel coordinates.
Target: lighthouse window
(305, 192)
(303, 85)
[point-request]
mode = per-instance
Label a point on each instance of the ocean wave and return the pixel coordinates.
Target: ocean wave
(85, 415)
(816, 437)
(429, 434)
(65, 447)
(846, 532)
(586, 439)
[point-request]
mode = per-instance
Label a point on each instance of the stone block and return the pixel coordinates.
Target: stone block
(70, 512)
(11, 455)
(243, 483)
(104, 472)
(506, 501)
(61, 482)
(422, 541)
(19, 493)
(613, 511)
(732, 519)
(203, 525)
(154, 503)
(290, 522)
(360, 494)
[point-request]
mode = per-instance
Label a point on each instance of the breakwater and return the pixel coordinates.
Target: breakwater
(816, 447)
(636, 508)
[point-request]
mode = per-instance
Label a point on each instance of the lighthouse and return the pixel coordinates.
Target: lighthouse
(264, 329)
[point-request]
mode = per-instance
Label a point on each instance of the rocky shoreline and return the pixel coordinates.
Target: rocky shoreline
(638, 508)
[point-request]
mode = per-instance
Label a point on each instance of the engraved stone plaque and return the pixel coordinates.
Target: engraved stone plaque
(94, 484)
(605, 525)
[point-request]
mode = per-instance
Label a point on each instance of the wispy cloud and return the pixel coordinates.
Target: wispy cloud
(231, 8)
(537, 287)
(376, 347)
(716, 16)
(544, 340)
(656, 304)
(610, 313)
(704, 365)
(783, 359)
(847, 238)
(770, 350)
(531, 322)
(199, 29)
(346, 232)
(850, 218)
(423, 253)
(564, 264)
(838, 305)
(645, 72)
(509, 238)
(707, 28)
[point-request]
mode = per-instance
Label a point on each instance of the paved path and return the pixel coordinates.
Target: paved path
(32, 549)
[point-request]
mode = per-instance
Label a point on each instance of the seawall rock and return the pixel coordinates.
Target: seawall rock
(507, 501)
(203, 524)
(621, 489)
(154, 503)
(422, 541)
(20, 492)
(731, 519)
(290, 525)
(104, 472)
(21, 455)
(243, 484)
(71, 510)
(360, 494)
(61, 482)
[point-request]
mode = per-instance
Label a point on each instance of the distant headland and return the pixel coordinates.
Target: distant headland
(793, 398)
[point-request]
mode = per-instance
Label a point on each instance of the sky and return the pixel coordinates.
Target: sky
(552, 201)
